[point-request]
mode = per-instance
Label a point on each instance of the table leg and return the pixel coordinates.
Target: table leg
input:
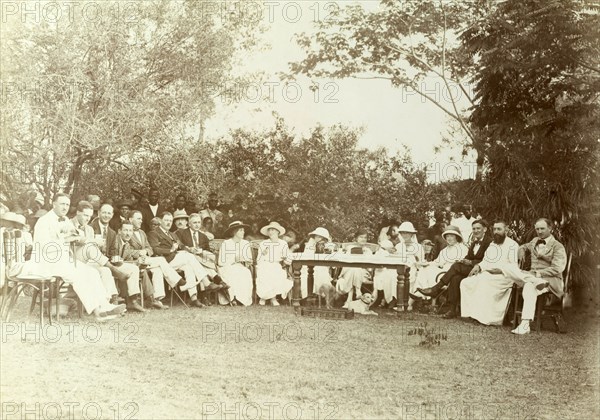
(57, 285)
(296, 291)
(402, 289)
(311, 280)
(42, 286)
(50, 302)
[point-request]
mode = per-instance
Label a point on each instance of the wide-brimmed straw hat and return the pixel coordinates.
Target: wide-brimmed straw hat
(453, 230)
(273, 225)
(10, 216)
(407, 227)
(233, 226)
(321, 232)
(180, 214)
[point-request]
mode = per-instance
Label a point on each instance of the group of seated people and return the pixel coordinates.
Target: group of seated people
(102, 262)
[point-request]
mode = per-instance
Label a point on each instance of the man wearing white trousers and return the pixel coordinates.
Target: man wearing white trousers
(548, 261)
(87, 250)
(159, 267)
(166, 244)
(53, 237)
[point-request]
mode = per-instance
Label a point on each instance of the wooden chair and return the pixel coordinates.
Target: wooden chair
(547, 306)
(41, 285)
(255, 245)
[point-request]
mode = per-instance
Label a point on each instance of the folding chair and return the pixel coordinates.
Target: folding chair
(173, 290)
(11, 241)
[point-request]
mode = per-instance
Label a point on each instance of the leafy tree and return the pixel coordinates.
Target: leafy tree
(85, 94)
(537, 82)
(404, 42)
(322, 180)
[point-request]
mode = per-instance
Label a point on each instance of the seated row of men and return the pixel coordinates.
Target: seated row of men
(478, 276)
(95, 259)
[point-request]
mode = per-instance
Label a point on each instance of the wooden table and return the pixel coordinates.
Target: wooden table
(345, 260)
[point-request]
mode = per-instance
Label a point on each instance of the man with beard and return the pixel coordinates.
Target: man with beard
(461, 269)
(486, 292)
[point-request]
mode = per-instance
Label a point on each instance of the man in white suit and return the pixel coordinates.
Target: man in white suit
(53, 237)
(158, 266)
(548, 261)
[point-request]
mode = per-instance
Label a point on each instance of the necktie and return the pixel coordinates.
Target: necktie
(61, 219)
(540, 242)
(196, 239)
(103, 231)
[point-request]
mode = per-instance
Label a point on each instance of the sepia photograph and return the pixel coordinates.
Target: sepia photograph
(300, 209)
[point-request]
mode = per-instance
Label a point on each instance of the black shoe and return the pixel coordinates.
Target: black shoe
(206, 302)
(415, 297)
(133, 305)
(181, 283)
(211, 287)
(450, 314)
(392, 304)
(157, 304)
(433, 292)
(197, 304)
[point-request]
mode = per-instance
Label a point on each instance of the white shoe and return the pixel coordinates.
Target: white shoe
(274, 302)
(261, 302)
(523, 328)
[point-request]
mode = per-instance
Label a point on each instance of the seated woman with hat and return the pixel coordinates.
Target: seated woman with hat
(235, 256)
(409, 249)
(271, 274)
(455, 250)
(317, 239)
(351, 279)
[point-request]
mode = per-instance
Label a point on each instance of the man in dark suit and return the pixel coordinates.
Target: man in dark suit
(151, 210)
(461, 269)
(101, 227)
(166, 244)
(108, 247)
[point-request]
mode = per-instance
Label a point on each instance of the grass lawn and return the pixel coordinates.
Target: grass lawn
(266, 362)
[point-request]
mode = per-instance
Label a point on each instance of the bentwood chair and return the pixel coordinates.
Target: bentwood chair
(41, 285)
(547, 306)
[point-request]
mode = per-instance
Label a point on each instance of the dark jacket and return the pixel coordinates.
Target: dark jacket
(185, 236)
(478, 257)
(162, 242)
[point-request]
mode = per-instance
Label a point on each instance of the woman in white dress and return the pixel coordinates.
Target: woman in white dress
(428, 272)
(271, 271)
(352, 278)
(411, 251)
(235, 258)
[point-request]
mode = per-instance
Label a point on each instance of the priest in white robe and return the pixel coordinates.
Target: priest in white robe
(486, 292)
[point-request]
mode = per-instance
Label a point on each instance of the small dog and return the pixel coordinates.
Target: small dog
(362, 305)
(329, 292)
